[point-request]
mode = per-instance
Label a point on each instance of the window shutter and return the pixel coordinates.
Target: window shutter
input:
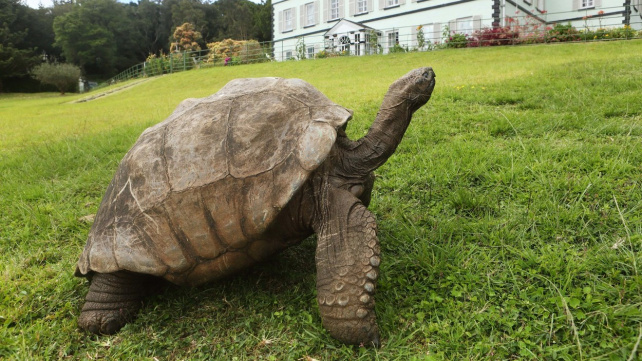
(317, 9)
(370, 8)
(476, 23)
(342, 9)
(452, 25)
(293, 18)
(598, 4)
(576, 4)
(281, 21)
(436, 32)
(352, 8)
(326, 9)
(402, 2)
(302, 16)
(382, 4)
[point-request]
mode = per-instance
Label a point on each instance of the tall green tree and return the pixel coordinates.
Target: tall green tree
(263, 21)
(16, 57)
(237, 19)
(150, 23)
(99, 36)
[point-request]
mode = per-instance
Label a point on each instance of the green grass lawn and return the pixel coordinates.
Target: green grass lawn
(510, 217)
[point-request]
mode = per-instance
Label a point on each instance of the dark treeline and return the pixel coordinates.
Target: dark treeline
(104, 37)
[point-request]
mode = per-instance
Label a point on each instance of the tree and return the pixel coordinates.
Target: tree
(15, 56)
(186, 38)
(62, 76)
(237, 19)
(99, 35)
(263, 21)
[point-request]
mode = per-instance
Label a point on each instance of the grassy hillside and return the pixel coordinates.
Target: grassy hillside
(510, 217)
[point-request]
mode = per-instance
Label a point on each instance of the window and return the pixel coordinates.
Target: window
(310, 14)
(329, 44)
(334, 9)
(465, 25)
(344, 44)
(393, 38)
(390, 3)
(288, 55)
(587, 4)
(287, 20)
(357, 44)
(310, 52)
(362, 6)
(371, 42)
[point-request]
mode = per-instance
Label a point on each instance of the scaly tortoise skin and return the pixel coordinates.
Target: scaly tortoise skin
(231, 179)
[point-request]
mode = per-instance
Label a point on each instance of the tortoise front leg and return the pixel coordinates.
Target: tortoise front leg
(347, 259)
(113, 300)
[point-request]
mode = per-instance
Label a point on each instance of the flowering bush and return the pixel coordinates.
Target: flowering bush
(494, 37)
(247, 51)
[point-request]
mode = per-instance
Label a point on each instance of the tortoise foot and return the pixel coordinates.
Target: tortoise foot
(113, 300)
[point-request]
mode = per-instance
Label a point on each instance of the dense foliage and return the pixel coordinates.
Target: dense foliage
(104, 37)
(63, 76)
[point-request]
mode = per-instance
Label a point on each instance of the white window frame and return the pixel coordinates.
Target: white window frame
(334, 9)
(460, 28)
(288, 20)
(289, 55)
(362, 6)
(587, 4)
(391, 3)
(309, 52)
(392, 38)
(310, 14)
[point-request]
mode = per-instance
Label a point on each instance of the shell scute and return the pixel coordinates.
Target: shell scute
(195, 146)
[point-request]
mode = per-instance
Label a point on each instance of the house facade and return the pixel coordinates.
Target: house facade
(303, 28)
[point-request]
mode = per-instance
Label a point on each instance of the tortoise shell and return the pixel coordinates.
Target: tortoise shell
(193, 197)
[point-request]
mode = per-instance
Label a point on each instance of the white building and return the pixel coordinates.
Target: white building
(307, 27)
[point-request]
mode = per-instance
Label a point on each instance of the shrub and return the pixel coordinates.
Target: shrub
(562, 33)
(457, 40)
(248, 51)
(494, 37)
(624, 32)
(63, 76)
(397, 49)
(156, 65)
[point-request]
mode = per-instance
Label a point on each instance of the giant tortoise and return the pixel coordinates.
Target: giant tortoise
(231, 179)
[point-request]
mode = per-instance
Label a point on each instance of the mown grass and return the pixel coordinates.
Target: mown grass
(510, 216)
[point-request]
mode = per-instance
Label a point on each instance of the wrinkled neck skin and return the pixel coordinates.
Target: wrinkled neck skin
(350, 164)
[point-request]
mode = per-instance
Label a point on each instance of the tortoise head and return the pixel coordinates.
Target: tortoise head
(358, 159)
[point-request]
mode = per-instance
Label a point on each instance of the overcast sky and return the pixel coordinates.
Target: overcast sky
(48, 3)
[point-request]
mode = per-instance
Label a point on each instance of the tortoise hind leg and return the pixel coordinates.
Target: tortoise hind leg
(347, 261)
(113, 300)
